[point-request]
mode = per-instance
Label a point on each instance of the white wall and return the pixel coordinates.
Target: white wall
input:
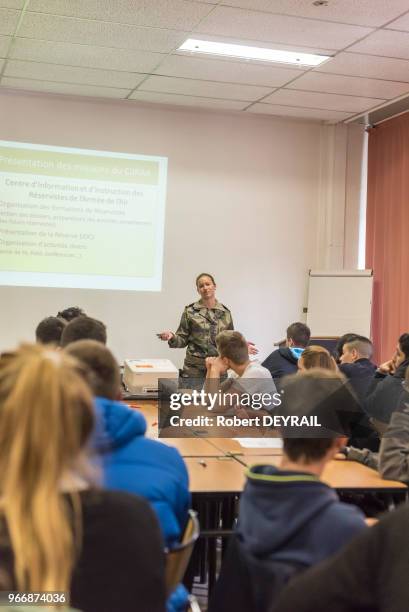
(355, 205)
(341, 209)
(243, 195)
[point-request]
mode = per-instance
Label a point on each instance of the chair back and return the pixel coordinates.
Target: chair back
(177, 558)
(193, 604)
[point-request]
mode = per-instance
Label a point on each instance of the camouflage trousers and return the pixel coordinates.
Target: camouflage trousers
(194, 372)
(194, 367)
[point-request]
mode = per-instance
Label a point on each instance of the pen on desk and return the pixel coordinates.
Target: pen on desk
(202, 463)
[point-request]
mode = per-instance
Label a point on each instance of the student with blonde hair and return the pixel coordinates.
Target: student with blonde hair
(315, 356)
(102, 549)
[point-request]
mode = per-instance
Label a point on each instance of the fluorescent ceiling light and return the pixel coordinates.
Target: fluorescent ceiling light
(254, 53)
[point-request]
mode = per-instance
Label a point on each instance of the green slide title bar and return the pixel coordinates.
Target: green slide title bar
(88, 167)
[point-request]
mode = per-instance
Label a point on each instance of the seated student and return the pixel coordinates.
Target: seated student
(392, 461)
(289, 519)
(234, 355)
(71, 313)
(340, 345)
(356, 365)
(247, 376)
(369, 575)
(284, 360)
(315, 356)
(394, 450)
(84, 328)
(385, 391)
(49, 330)
(102, 548)
(131, 462)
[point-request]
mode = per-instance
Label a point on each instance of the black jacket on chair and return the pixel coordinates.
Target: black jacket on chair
(247, 583)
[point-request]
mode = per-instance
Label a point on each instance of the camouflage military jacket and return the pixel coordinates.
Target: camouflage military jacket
(199, 327)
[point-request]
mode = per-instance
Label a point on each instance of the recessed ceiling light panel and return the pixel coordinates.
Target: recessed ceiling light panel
(252, 53)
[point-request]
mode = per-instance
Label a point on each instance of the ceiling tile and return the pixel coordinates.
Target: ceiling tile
(206, 89)
(67, 29)
(64, 88)
(312, 99)
(301, 113)
(238, 23)
(69, 74)
(173, 14)
(12, 4)
(163, 98)
(331, 83)
(1, 64)
(227, 71)
(401, 24)
(84, 55)
(384, 42)
(365, 12)
(353, 64)
(121, 11)
(4, 45)
(8, 20)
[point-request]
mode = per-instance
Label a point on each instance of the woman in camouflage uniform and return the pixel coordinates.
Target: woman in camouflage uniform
(200, 323)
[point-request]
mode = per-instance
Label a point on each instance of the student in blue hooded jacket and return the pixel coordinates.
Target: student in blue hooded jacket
(130, 461)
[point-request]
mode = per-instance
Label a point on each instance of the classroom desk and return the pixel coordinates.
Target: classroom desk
(193, 447)
(220, 475)
(188, 447)
(229, 446)
(343, 475)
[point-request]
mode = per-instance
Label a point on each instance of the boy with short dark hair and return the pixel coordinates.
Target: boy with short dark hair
(289, 519)
(356, 365)
(49, 331)
(284, 360)
(84, 328)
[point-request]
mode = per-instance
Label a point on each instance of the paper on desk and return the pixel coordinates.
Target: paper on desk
(260, 442)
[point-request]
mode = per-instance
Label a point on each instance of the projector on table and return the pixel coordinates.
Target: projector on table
(141, 376)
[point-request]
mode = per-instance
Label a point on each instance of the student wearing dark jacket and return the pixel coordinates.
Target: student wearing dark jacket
(356, 365)
(370, 575)
(394, 450)
(392, 461)
(386, 388)
(284, 360)
(289, 519)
